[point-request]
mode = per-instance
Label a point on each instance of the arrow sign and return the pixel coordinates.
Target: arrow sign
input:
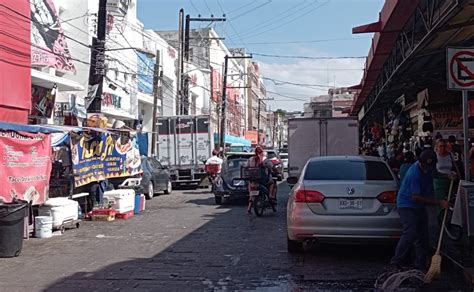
(460, 68)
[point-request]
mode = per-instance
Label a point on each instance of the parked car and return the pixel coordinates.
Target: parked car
(340, 199)
(284, 161)
(274, 156)
(229, 183)
(155, 178)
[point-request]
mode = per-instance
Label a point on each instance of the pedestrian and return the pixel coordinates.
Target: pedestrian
(416, 192)
(408, 160)
(396, 162)
(445, 168)
(456, 152)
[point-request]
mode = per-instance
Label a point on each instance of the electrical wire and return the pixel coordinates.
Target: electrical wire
(207, 6)
(277, 18)
(289, 21)
(305, 57)
(251, 10)
(307, 41)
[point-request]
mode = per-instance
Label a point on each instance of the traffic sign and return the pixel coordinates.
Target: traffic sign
(460, 68)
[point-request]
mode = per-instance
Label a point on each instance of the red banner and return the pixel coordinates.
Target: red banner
(25, 164)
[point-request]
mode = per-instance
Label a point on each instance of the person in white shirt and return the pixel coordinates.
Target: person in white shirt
(215, 160)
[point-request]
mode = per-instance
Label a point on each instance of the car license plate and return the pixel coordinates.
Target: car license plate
(350, 204)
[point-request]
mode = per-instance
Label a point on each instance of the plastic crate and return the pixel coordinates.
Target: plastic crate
(103, 214)
(251, 173)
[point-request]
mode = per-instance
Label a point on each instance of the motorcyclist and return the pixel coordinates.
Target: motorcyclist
(215, 160)
(260, 160)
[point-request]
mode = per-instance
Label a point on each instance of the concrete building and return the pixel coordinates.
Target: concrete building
(319, 107)
(342, 99)
(206, 54)
(57, 62)
(257, 116)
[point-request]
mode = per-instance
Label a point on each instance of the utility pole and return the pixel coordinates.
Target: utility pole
(157, 94)
(224, 99)
(180, 63)
(186, 42)
(258, 121)
(97, 68)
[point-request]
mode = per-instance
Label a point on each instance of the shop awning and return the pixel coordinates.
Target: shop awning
(48, 81)
(28, 128)
(229, 139)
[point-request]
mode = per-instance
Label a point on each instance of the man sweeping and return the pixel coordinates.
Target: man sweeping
(416, 192)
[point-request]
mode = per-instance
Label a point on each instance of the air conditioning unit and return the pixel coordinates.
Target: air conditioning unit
(118, 7)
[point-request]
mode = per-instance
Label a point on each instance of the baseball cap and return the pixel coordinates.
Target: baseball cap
(452, 139)
(428, 157)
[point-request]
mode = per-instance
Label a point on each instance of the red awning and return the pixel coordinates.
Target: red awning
(393, 16)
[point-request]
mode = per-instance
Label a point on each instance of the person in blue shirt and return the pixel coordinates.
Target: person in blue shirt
(416, 192)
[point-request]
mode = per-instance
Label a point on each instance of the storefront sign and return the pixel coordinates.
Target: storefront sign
(104, 156)
(447, 119)
(461, 68)
(25, 163)
(42, 101)
(112, 100)
(145, 73)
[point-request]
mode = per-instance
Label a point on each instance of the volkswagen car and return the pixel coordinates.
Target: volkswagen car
(342, 199)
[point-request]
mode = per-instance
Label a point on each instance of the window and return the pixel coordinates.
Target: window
(347, 170)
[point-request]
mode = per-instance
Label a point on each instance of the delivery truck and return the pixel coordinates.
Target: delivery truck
(184, 145)
(310, 137)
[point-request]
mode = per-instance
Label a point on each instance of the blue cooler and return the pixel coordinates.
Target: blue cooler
(137, 204)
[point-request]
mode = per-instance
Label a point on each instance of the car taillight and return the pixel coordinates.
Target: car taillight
(388, 197)
(306, 196)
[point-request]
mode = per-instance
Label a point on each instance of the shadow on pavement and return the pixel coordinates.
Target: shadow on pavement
(235, 251)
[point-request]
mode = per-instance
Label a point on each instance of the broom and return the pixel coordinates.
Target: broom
(435, 267)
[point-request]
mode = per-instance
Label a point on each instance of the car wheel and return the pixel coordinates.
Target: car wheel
(294, 246)
(169, 188)
(218, 200)
(150, 191)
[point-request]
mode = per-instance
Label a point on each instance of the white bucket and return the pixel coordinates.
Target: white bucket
(43, 226)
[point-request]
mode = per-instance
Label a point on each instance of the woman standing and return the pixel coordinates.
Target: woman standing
(445, 168)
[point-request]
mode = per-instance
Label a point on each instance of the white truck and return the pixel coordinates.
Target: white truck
(310, 137)
(184, 145)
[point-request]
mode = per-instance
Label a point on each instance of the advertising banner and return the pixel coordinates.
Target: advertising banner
(25, 163)
(104, 156)
(47, 36)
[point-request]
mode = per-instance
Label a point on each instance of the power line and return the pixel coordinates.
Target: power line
(308, 41)
(251, 10)
(306, 57)
(290, 21)
(281, 82)
(277, 18)
(207, 6)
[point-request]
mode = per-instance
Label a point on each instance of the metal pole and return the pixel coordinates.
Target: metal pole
(465, 124)
(180, 62)
(224, 106)
(156, 96)
(97, 68)
(258, 122)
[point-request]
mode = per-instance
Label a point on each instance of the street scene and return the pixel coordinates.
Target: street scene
(184, 242)
(251, 145)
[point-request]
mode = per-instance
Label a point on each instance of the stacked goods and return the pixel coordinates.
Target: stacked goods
(103, 214)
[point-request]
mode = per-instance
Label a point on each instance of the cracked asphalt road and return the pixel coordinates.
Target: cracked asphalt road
(183, 242)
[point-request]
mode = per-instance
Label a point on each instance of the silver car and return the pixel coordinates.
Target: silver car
(343, 199)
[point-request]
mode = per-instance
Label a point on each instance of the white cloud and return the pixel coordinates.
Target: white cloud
(332, 72)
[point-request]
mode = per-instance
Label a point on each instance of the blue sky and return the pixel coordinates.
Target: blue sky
(258, 24)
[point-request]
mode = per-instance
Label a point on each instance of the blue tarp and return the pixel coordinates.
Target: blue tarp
(28, 128)
(229, 139)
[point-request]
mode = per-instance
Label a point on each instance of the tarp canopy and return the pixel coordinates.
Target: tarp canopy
(229, 139)
(28, 128)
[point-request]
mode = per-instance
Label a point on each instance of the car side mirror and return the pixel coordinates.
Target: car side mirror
(292, 180)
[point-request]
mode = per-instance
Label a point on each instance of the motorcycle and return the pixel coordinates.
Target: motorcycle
(258, 192)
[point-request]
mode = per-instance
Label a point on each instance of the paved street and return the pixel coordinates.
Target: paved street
(184, 242)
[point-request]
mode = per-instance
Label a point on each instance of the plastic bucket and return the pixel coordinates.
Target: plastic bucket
(12, 220)
(43, 226)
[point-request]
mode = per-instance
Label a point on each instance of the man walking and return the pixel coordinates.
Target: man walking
(416, 192)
